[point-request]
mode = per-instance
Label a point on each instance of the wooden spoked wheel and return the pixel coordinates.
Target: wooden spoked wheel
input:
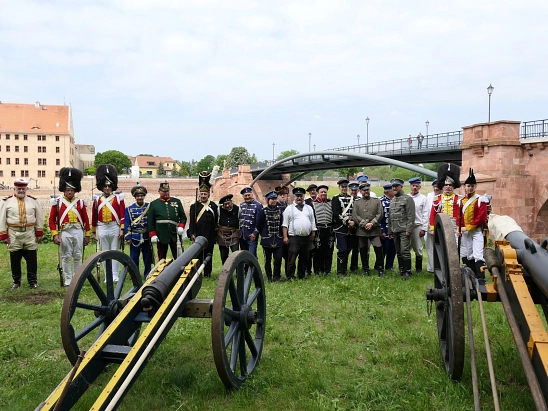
(238, 318)
(94, 299)
(450, 309)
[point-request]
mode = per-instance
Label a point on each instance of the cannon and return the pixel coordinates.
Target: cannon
(125, 322)
(518, 268)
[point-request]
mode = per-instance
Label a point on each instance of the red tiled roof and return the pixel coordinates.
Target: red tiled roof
(34, 118)
(142, 161)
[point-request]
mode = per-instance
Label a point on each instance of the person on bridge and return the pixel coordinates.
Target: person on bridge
(204, 215)
(448, 202)
(136, 229)
(272, 240)
(249, 216)
(389, 249)
(343, 225)
(410, 141)
(367, 213)
(228, 234)
(400, 226)
(474, 215)
(421, 221)
(429, 236)
(69, 223)
(22, 228)
(420, 139)
(299, 231)
(323, 257)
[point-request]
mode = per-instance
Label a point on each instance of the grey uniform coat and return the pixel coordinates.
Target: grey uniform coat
(367, 210)
(402, 214)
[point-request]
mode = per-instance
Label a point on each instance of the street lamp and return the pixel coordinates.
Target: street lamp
(309, 141)
(490, 91)
(314, 147)
(367, 134)
(273, 158)
(427, 124)
(358, 136)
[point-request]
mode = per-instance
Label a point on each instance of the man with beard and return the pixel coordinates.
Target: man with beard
(299, 231)
(283, 192)
(421, 221)
(323, 257)
(430, 236)
(22, 228)
(204, 215)
(272, 241)
(400, 226)
(447, 202)
(367, 214)
(312, 190)
(69, 223)
(249, 216)
(389, 249)
(228, 234)
(343, 225)
(136, 229)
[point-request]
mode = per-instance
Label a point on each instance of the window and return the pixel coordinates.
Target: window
(57, 174)
(25, 137)
(26, 173)
(41, 161)
(13, 173)
(26, 161)
(7, 136)
(16, 149)
(16, 161)
(0, 161)
(7, 149)
(41, 173)
(8, 161)
(57, 162)
(1, 173)
(41, 149)
(17, 136)
(56, 138)
(25, 149)
(57, 150)
(41, 138)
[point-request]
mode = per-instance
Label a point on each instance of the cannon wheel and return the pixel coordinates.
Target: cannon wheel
(91, 305)
(450, 310)
(238, 318)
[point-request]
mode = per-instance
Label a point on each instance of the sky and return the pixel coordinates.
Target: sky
(187, 79)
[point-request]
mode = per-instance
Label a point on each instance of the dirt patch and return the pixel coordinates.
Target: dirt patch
(36, 298)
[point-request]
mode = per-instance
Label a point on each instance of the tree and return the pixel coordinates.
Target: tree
(238, 155)
(160, 171)
(286, 153)
(220, 160)
(184, 169)
(90, 171)
(349, 171)
(174, 170)
(145, 155)
(114, 157)
(205, 164)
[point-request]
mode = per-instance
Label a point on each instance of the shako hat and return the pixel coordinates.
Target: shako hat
(106, 175)
(448, 173)
(203, 181)
(70, 177)
(471, 177)
(136, 190)
(164, 186)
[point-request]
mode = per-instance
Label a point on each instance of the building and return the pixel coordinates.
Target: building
(85, 156)
(148, 165)
(35, 142)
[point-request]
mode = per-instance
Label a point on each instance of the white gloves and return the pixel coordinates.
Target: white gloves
(180, 231)
(154, 239)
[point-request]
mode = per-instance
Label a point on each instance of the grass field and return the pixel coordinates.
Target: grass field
(356, 343)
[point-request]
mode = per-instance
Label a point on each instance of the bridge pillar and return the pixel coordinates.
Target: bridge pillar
(509, 170)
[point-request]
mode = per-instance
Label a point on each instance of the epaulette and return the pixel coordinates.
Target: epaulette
(5, 198)
(29, 196)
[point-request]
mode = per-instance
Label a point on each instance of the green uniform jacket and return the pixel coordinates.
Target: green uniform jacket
(402, 214)
(164, 217)
(367, 210)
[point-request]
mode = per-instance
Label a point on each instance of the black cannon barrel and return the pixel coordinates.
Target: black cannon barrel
(532, 257)
(156, 292)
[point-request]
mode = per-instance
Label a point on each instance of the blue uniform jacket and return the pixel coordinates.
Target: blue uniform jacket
(270, 227)
(385, 203)
(136, 232)
(249, 216)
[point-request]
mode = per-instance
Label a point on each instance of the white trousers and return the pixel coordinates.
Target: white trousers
(430, 252)
(108, 238)
(471, 245)
(417, 242)
(72, 242)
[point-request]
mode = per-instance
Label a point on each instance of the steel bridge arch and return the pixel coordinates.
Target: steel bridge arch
(323, 160)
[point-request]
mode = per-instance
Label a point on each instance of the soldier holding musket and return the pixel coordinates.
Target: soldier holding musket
(69, 222)
(228, 233)
(136, 229)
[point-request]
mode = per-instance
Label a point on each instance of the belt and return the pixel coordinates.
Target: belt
(138, 230)
(71, 225)
(106, 223)
(167, 222)
(20, 227)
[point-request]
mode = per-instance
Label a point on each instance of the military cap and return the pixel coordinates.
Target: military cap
(164, 186)
(246, 190)
(387, 186)
(204, 182)
(471, 177)
(136, 190)
(323, 186)
(299, 191)
(397, 182)
(271, 194)
(365, 186)
(415, 180)
(343, 182)
(282, 190)
(312, 187)
(20, 182)
(226, 198)
(353, 185)
(435, 182)
(362, 178)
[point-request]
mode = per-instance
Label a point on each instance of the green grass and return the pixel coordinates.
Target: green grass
(356, 343)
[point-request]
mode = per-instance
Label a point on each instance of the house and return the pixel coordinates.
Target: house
(148, 165)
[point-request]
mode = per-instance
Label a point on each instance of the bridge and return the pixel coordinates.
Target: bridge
(435, 148)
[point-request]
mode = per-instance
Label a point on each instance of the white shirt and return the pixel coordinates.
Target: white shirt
(299, 223)
(421, 211)
(429, 202)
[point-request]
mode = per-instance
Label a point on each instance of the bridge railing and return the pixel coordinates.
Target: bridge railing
(534, 129)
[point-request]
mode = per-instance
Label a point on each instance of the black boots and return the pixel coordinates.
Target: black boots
(418, 264)
(407, 272)
(342, 264)
(401, 265)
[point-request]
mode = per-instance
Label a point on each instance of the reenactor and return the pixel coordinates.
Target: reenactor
(312, 191)
(22, 228)
(448, 202)
(421, 221)
(166, 222)
(204, 215)
(354, 188)
(272, 241)
(249, 216)
(136, 229)
(108, 213)
(343, 225)
(400, 226)
(69, 222)
(228, 233)
(323, 257)
(430, 236)
(283, 192)
(389, 249)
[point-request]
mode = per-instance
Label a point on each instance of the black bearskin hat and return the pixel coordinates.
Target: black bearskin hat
(106, 175)
(471, 178)
(70, 178)
(449, 172)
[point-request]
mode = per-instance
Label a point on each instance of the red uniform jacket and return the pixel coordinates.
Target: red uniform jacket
(79, 209)
(475, 215)
(104, 214)
(445, 204)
